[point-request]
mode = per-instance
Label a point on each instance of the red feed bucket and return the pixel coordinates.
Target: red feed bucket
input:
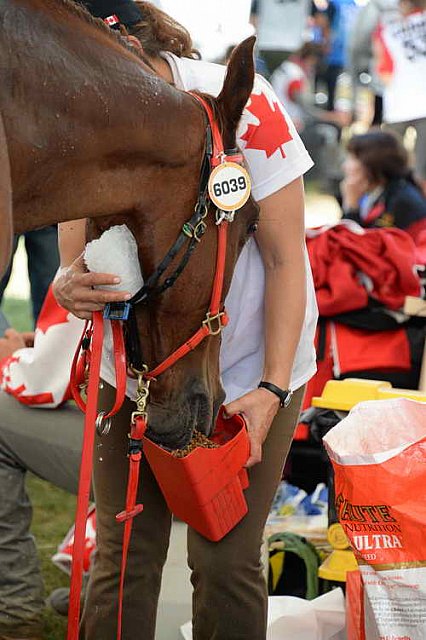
(205, 488)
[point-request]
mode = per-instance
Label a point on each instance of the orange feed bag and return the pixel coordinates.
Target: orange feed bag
(379, 458)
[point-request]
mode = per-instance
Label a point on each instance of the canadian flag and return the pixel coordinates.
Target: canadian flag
(111, 21)
(39, 376)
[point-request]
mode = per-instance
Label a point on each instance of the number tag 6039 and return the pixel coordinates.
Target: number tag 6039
(229, 186)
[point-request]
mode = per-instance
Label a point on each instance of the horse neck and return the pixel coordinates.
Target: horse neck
(87, 124)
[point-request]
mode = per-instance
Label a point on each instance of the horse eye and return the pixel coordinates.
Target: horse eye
(252, 228)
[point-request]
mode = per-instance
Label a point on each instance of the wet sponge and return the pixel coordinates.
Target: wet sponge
(116, 252)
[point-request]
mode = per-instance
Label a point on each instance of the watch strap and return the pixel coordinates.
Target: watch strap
(283, 394)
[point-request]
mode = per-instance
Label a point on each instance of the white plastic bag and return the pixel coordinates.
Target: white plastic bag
(292, 618)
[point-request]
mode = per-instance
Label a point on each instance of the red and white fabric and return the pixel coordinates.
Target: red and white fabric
(39, 376)
(351, 265)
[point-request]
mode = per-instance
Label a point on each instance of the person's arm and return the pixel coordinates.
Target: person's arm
(74, 286)
(281, 239)
(71, 240)
(305, 100)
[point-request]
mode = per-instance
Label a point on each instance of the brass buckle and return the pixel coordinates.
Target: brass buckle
(210, 320)
(196, 232)
(138, 414)
(142, 394)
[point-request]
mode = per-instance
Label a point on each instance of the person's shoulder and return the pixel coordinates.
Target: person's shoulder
(408, 200)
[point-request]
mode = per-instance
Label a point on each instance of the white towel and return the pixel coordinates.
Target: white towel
(116, 252)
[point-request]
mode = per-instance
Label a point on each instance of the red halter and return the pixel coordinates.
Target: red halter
(212, 324)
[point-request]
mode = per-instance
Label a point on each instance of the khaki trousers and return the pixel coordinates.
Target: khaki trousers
(230, 594)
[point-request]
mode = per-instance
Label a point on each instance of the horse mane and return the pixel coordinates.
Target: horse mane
(74, 7)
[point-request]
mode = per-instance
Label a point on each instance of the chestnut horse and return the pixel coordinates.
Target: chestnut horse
(91, 132)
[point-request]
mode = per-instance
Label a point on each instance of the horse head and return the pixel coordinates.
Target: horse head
(92, 133)
(188, 395)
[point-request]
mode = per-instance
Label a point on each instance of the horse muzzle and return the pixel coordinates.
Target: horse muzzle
(172, 424)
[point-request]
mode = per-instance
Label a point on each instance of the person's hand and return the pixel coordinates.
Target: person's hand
(75, 290)
(13, 340)
(352, 189)
(343, 118)
(339, 118)
(258, 409)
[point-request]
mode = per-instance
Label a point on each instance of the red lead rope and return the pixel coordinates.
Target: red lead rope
(85, 478)
(211, 325)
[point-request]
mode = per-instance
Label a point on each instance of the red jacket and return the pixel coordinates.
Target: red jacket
(351, 265)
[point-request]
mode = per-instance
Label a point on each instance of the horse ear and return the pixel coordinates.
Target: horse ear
(236, 89)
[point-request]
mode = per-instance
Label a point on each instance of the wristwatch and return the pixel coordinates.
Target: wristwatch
(283, 394)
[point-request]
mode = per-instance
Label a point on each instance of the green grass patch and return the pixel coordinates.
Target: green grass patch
(18, 313)
(53, 514)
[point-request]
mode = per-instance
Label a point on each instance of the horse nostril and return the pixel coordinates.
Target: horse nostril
(206, 410)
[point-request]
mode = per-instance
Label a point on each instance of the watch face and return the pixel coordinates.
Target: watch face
(288, 399)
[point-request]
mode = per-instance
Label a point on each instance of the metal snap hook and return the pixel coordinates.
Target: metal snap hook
(102, 424)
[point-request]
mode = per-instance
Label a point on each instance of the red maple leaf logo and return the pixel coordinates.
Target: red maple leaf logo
(274, 132)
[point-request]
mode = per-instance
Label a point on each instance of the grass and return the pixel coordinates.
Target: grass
(53, 515)
(18, 313)
(53, 508)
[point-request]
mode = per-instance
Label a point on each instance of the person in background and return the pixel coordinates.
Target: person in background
(39, 432)
(41, 246)
(260, 62)
(378, 189)
(292, 81)
(400, 54)
(360, 50)
(335, 19)
(318, 128)
(230, 593)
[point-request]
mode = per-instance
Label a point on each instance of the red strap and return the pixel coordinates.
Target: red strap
(91, 412)
(218, 153)
(78, 368)
(137, 431)
(215, 304)
(216, 299)
(80, 361)
(85, 478)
